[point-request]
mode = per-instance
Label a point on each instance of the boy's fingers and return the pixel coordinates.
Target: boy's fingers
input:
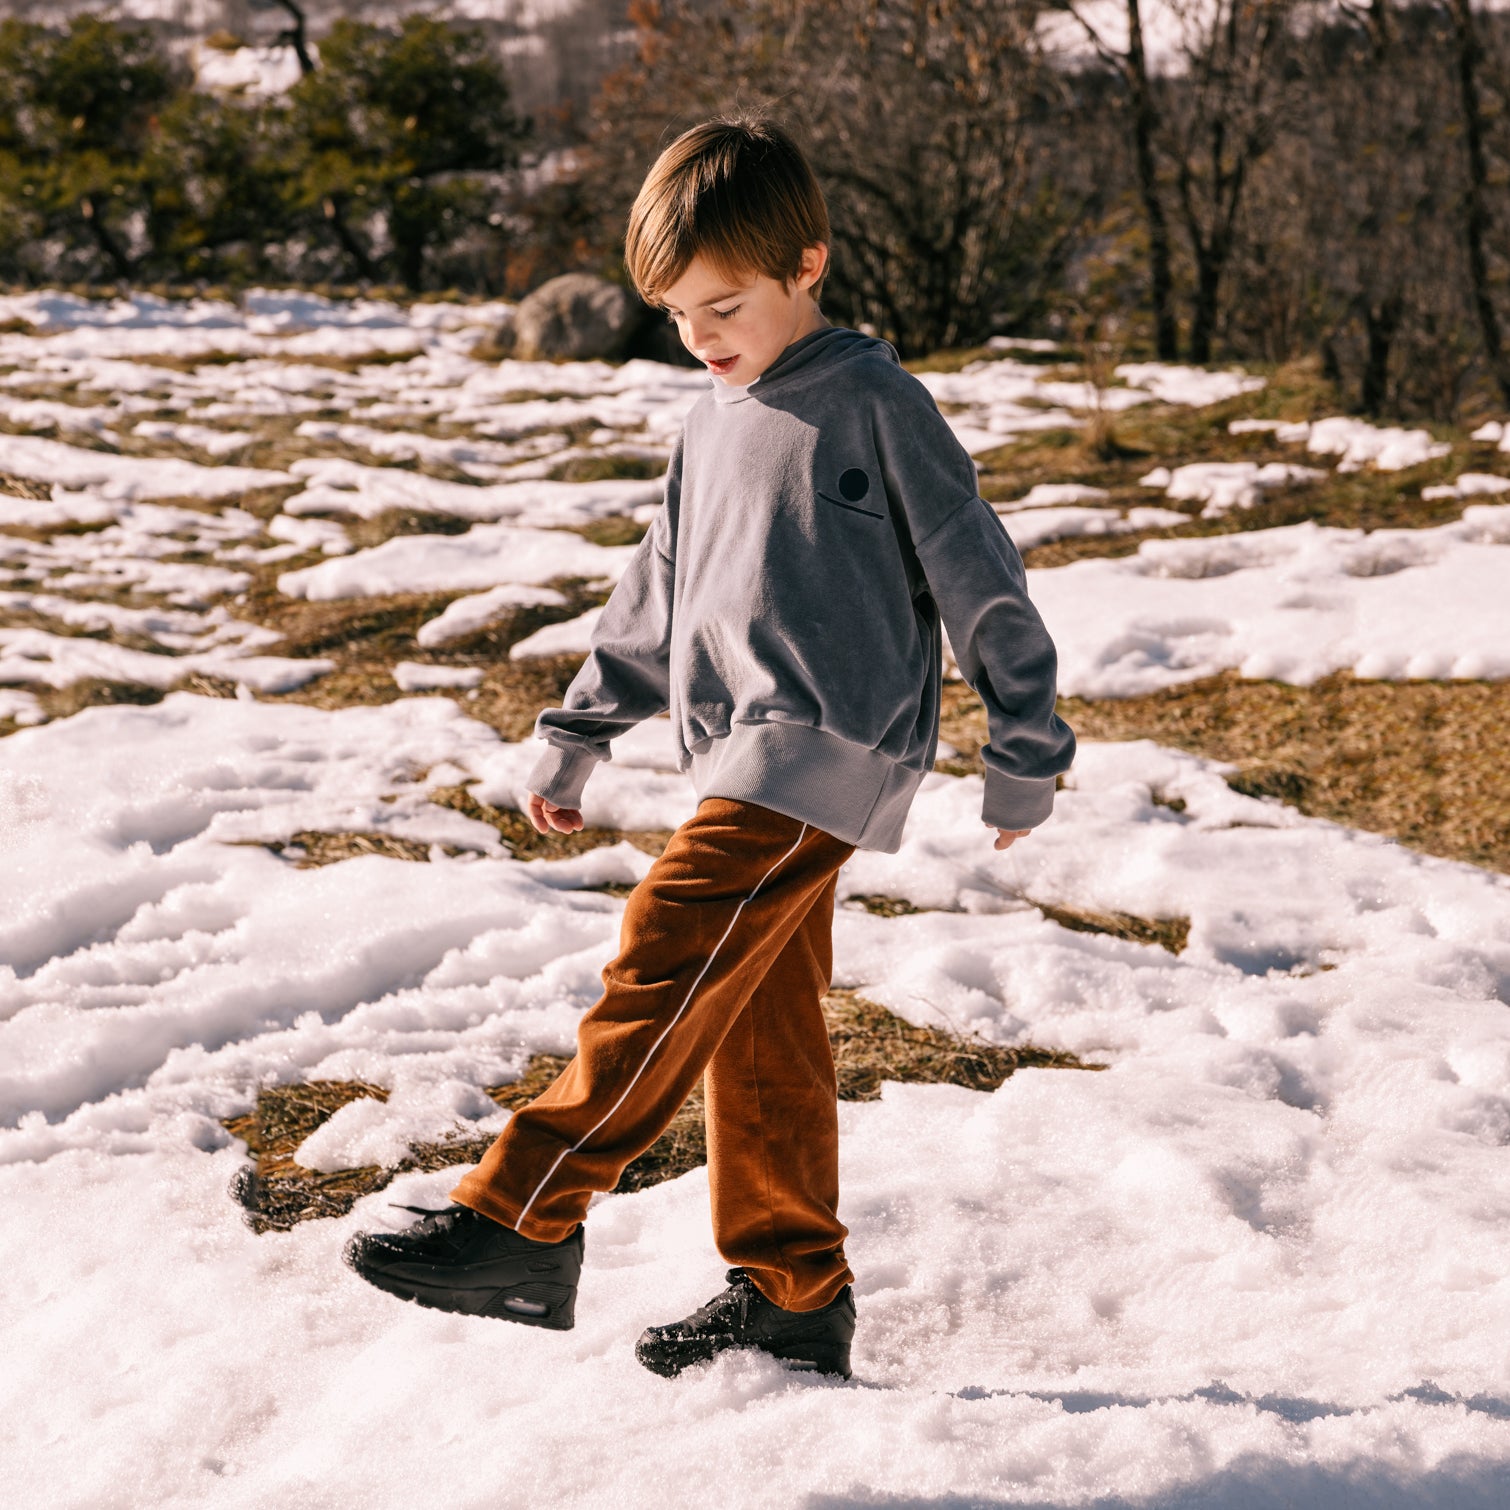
(535, 811)
(565, 820)
(1006, 837)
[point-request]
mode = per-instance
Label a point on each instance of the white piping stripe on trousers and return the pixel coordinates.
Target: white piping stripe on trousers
(524, 1212)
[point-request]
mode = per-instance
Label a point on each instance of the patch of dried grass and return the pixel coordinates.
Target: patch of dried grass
(1168, 933)
(870, 1046)
(92, 692)
(524, 843)
(350, 362)
(309, 849)
(1421, 762)
(25, 487)
(616, 529)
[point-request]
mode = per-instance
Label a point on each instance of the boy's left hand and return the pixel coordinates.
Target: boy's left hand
(1006, 837)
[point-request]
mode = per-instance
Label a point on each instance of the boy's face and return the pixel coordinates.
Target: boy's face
(737, 329)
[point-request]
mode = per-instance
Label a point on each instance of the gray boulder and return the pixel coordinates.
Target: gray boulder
(575, 317)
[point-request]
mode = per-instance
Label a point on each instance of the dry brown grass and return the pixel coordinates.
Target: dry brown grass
(1168, 933)
(345, 363)
(524, 843)
(367, 636)
(1422, 762)
(1166, 435)
(24, 487)
(870, 1046)
(616, 529)
(309, 849)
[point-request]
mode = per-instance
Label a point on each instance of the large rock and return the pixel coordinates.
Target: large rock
(575, 317)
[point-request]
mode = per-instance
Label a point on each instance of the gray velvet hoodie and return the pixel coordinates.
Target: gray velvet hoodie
(785, 607)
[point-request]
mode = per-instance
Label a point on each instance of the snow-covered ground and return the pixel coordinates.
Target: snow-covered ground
(1259, 1261)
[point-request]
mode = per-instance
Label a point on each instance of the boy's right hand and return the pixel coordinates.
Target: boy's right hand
(546, 816)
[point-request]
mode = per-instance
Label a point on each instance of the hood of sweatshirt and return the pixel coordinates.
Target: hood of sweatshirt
(816, 353)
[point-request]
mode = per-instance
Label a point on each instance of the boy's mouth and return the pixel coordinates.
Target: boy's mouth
(718, 366)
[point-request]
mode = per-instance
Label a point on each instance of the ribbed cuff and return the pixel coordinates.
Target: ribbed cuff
(559, 775)
(1017, 801)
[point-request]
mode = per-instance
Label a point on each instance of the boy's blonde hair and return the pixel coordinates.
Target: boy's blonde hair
(736, 191)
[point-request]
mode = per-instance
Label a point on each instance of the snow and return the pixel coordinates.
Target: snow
(1469, 485)
(1355, 442)
(20, 707)
(574, 637)
(415, 676)
(346, 487)
(1291, 604)
(487, 555)
(1054, 494)
(1042, 526)
(477, 611)
(1192, 386)
(1226, 485)
(1257, 1261)
(246, 70)
(114, 476)
(205, 437)
(1218, 1263)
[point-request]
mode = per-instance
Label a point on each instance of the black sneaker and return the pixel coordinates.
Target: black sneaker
(459, 1260)
(743, 1317)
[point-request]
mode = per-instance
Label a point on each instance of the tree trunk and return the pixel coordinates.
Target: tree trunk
(336, 215)
(1145, 122)
(295, 36)
(1381, 322)
(114, 252)
(1208, 277)
(1476, 200)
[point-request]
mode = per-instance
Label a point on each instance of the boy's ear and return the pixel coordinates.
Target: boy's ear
(813, 265)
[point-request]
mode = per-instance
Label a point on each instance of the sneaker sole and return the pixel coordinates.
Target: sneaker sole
(536, 1289)
(668, 1360)
(538, 1304)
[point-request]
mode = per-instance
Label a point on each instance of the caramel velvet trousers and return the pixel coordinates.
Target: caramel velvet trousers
(725, 953)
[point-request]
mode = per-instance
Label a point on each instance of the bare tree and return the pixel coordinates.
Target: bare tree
(924, 119)
(1200, 116)
(1477, 219)
(1129, 62)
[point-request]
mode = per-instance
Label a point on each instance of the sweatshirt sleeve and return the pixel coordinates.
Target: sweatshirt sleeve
(626, 677)
(977, 579)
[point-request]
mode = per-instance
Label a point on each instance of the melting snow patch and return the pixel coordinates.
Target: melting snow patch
(1469, 485)
(478, 610)
(488, 554)
(21, 707)
(1291, 604)
(345, 487)
(1043, 526)
(1053, 495)
(1226, 485)
(33, 655)
(127, 476)
(1191, 386)
(1356, 443)
(415, 676)
(574, 637)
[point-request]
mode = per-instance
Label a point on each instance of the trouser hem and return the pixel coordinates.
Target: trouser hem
(485, 1203)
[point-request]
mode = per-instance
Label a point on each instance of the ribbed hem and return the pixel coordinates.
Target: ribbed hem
(1017, 801)
(560, 775)
(856, 794)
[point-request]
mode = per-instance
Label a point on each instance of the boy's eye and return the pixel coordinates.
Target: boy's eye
(727, 314)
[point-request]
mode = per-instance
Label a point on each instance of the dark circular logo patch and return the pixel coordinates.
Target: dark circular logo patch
(854, 485)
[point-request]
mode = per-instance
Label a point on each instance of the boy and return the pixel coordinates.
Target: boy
(820, 519)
